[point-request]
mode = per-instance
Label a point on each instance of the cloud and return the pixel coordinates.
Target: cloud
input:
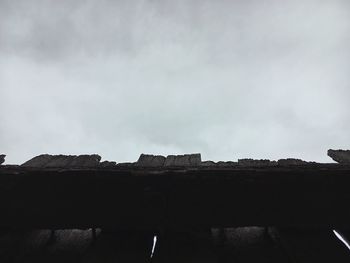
(256, 79)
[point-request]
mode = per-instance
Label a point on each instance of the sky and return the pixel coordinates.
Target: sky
(263, 79)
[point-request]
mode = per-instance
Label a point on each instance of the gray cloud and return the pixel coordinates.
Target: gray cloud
(260, 79)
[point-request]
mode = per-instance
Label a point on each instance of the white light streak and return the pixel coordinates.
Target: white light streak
(341, 238)
(154, 245)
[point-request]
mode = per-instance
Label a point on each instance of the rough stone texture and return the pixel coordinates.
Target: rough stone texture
(107, 164)
(2, 158)
(291, 161)
(183, 160)
(38, 161)
(226, 164)
(61, 161)
(148, 160)
(125, 165)
(340, 156)
(50, 161)
(252, 162)
(86, 161)
(208, 163)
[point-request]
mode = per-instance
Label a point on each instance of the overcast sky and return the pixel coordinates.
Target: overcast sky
(228, 79)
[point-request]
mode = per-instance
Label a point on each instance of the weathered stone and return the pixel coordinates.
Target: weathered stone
(226, 164)
(340, 156)
(2, 158)
(208, 163)
(183, 160)
(291, 161)
(126, 165)
(148, 160)
(107, 164)
(85, 160)
(66, 161)
(61, 161)
(253, 162)
(38, 161)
